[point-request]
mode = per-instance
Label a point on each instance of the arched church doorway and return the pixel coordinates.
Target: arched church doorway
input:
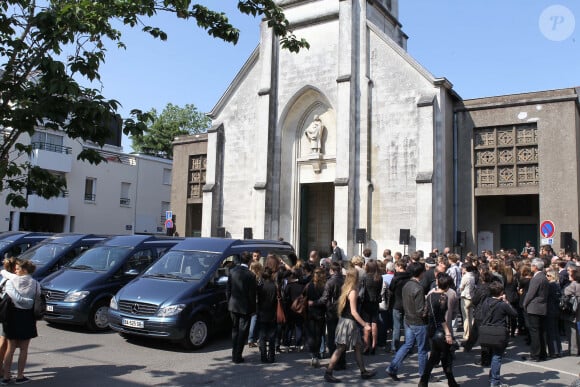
(316, 218)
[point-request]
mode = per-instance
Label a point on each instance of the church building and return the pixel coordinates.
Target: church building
(353, 140)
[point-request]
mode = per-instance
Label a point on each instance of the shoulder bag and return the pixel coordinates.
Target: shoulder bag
(300, 303)
(494, 336)
(6, 305)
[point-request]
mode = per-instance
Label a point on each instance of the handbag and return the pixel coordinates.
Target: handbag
(300, 303)
(494, 336)
(6, 305)
(280, 315)
(39, 306)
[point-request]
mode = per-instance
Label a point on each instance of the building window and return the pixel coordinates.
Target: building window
(506, 156)
(196, 175)
(49, 142)
(165, 206)
(166, 176)
(125, 201)
(90, 189)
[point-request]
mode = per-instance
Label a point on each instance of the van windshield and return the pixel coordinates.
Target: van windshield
(100, 258)
(185, 265)
(44, 253)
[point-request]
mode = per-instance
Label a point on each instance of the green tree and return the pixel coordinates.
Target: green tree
(50, 55)
(172, 122)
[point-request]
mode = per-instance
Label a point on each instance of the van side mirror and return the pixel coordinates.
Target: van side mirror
(132, 273)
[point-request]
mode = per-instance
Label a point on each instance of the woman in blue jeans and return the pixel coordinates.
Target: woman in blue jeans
(499, 308)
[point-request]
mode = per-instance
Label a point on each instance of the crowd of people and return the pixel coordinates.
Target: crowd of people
(439, 302)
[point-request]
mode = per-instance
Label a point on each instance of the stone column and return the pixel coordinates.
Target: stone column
(424, 180)
(264, 131)
(343, 207)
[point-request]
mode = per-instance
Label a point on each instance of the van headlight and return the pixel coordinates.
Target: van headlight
(170, 310)
(76, 296)
(113, 303)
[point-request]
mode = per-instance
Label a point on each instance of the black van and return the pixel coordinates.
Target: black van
(182, 297)
(14, 243)
(80, 292)
(58, 250)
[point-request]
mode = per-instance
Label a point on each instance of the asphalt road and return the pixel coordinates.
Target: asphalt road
(65, 356)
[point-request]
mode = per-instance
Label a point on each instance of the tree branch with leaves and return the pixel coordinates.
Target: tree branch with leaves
(50, 57)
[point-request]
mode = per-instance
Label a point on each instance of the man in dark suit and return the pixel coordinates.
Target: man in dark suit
(241, 294)
(535, 304)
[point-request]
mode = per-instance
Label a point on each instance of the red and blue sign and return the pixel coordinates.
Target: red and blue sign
(547, 229)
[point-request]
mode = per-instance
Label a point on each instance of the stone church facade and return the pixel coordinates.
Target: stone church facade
(354, 134)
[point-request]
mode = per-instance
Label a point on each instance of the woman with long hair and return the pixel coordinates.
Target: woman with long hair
(347, 331)
(373, 283)
(315, 318)
(20, 326)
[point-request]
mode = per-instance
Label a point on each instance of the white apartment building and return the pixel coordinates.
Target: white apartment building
(128, 194)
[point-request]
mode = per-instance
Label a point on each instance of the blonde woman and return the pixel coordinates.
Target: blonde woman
(347, 331)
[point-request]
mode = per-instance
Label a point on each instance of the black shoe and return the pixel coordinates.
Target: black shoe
(239, 360)
(373, 351)
(366, 374)
(330, 379)
(394, 376)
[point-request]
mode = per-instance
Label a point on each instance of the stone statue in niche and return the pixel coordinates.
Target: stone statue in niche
(314, 133)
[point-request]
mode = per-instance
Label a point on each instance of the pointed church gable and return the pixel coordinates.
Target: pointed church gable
(240, 77)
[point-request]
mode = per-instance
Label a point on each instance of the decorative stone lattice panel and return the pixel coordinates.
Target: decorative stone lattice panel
(506, 156)
(486, 177)
(507, 177)
(528, 155)
(485, 138)
(485, 157)
(196, 176)
(505, 137)
(528, 175)
(526, 135)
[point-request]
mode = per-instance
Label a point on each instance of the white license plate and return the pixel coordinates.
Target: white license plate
(49, 308)
(132, 323)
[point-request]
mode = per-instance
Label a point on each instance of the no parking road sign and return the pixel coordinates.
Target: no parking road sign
(547, 229)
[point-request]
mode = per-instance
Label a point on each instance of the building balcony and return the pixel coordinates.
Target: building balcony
(52, 157)
(57, 206)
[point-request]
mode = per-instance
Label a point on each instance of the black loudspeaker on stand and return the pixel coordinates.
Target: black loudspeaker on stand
(404, 236)
(221, 232)
(566, 240)
(248, 234)
(360, 235)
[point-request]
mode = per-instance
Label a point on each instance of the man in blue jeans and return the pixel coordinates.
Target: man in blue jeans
(415, 321)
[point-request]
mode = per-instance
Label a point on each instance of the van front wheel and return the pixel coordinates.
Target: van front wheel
(198, 333)
(98, 317)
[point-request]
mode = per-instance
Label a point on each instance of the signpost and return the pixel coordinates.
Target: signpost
(547, 229)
